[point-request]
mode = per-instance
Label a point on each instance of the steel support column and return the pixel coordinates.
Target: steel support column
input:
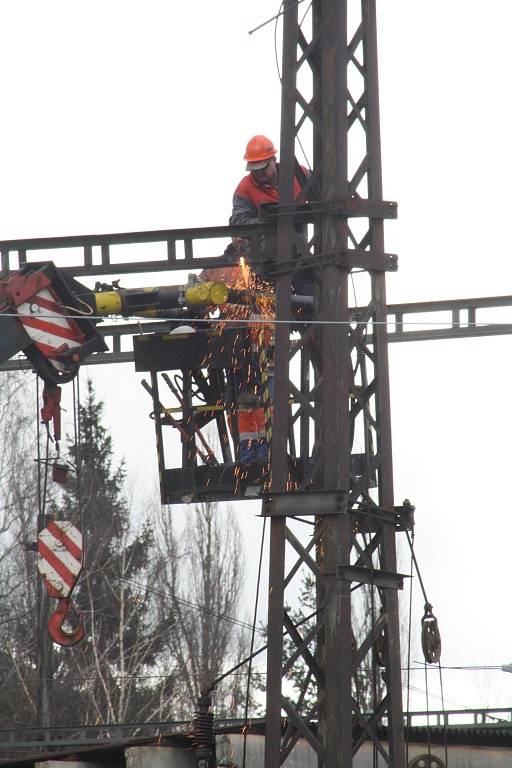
(279, 454)
(340, 394)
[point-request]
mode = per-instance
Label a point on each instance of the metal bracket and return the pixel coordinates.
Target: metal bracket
(401, 516)
(298, 504)
(348, 258)
(309, 212)
(384, 579)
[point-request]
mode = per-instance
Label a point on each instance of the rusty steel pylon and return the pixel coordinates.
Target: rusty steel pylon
(332, 389)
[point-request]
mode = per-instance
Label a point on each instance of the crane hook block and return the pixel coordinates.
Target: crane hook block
(57, 632)
(60, 561)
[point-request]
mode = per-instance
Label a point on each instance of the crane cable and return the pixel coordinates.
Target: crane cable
(77, 434)
(431, 645)
(251, 655)
(41, 494)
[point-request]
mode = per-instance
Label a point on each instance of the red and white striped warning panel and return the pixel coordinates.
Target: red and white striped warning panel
(60, 556)
(52, 331)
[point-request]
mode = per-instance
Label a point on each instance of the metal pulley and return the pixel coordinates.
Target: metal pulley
(60, 562)
(430, 636)
(427, 761)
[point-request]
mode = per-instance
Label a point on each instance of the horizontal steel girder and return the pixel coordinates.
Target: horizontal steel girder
(459, 315)
(92, 255)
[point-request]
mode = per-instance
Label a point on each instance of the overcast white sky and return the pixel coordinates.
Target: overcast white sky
(126, 116)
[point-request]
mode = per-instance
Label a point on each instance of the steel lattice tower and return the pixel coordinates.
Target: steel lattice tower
(335, 374)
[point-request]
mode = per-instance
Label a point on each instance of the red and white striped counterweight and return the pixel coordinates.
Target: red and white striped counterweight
(60, 557)
(60, 561)
(46, 320)
(46, 316)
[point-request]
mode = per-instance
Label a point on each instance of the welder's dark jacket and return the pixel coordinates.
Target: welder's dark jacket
(249, 195)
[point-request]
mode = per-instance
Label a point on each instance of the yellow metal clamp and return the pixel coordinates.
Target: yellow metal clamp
(197, 294)
(206, 293)
(108, 303)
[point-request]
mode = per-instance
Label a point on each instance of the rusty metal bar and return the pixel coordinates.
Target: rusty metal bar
(279, 453)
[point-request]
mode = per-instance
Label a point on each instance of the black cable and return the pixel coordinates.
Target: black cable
(77, 430)
(173, 674)
(417, 568)
(190, 604)
(41, 496)
(427, 605)
(354, 290)
(249, 671)
(273, 18)
(445, 731)
(428, 715)
(260, 650)
(374, 660)
(469, 668)
(38, 438)
(409, 639)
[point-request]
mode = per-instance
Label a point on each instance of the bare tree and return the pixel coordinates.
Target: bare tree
(18, 481)
(18, 576)
(368, 683)
(109, 674)
(200, 578)
(114, 668)
(162, 616)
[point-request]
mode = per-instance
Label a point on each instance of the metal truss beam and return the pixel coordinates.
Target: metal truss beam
(448, 319)
(95, 255)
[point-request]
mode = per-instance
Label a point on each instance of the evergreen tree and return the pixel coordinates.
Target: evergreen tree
(107, 672)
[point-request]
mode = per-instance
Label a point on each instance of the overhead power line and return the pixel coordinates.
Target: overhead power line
(190, 604)
(466, 668)
(273, 18)
(273, 321)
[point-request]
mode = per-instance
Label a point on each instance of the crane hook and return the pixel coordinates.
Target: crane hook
(57, 633)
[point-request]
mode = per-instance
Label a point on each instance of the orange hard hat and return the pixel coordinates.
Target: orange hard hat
(258, 152)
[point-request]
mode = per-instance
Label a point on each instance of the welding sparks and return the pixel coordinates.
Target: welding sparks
(246, 272)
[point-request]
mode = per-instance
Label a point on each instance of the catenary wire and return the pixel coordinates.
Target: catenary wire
(229, 673)
(462, 668)
(293, 321)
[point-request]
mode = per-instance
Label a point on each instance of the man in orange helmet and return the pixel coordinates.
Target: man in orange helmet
(262, 183)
